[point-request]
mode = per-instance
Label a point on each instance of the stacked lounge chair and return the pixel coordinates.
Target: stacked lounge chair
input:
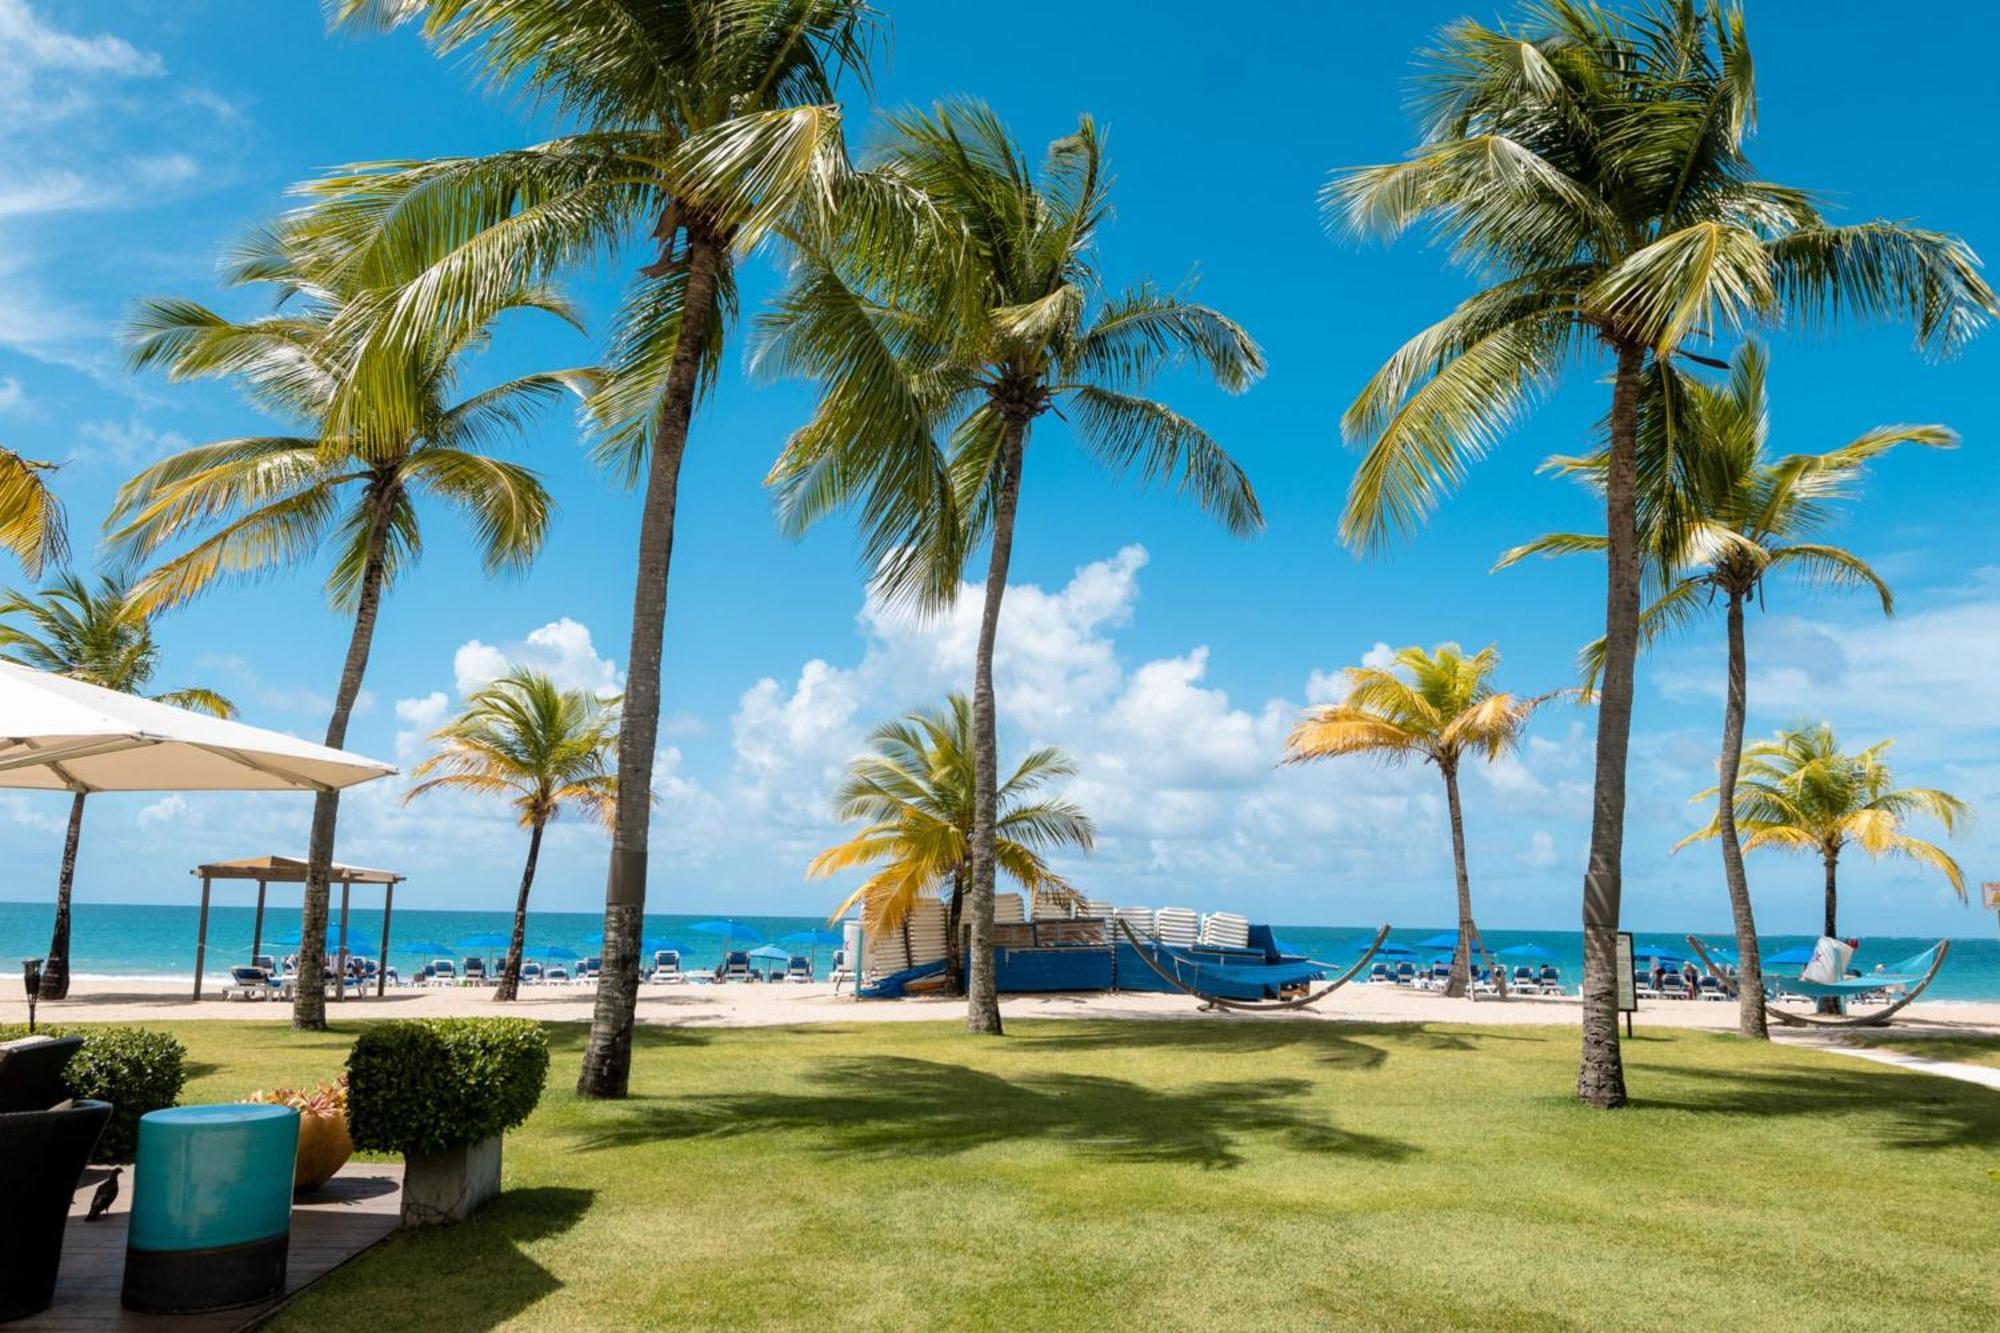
(1178, 927)
(1225, 930)
(1139, 918)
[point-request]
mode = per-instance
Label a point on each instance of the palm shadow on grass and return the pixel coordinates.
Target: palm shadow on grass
(1914, 1111)
(892, 1106)
(1343, 1046)
(476, 1274)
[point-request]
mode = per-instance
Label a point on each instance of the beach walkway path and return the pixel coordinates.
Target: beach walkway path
(1984, 1075)
(358, 1207)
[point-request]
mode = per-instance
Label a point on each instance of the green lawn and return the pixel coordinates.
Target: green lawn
(1127, 1175)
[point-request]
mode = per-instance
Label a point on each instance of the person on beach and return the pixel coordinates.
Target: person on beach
(1693, 979)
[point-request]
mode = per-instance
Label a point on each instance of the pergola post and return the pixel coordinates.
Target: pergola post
(201, 940)
(382, 963)
(340, 976)
(257, 931)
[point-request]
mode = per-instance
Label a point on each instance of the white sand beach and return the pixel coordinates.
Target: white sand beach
(136, 1000)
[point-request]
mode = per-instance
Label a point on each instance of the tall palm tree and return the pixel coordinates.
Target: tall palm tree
(99, 636)
(703, 124)
(258, 504)
(1437, 707)
(1716, 515)
(541, 747)
(916, 794)
(1593, 163)
(31, 518)
(1005, 322)
(1801, 793)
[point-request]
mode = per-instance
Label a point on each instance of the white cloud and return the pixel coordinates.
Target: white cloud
(420, 718)
(562, 648)
(169, 809)
(13, 398)
(29, 45)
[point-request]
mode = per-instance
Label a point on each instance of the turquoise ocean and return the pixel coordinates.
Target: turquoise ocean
(130, 940)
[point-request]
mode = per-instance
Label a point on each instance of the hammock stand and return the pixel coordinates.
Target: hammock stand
(1880, 1018)
(1209, 1002)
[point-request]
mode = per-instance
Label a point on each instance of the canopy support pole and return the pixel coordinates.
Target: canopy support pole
(257, 931)
(382, 963)
(340, 975)
(201, 940)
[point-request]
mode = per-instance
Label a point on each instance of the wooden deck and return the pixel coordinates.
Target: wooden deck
(357, 1208)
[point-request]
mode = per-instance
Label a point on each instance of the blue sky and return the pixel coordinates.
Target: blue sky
(137, 139)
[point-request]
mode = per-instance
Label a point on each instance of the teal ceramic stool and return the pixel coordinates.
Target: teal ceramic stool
(211, 1207)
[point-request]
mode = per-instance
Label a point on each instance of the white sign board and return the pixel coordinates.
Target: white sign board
(1628, 989)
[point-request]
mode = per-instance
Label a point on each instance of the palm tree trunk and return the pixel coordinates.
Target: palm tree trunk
(982, 994)
(1461, 957)
(309, 1000)
(510, 975)
(1828, 1004)
(953, 917)
(607, 1058)
(1750, 1020)
(55, 968)
(1600, 1078)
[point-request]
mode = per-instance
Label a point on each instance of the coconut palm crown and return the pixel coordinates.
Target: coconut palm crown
(1800, 792)
(915, 793)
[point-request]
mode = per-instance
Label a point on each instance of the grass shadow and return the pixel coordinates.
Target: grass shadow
(891, 1106)
(1340, 1045)
(476, 1274)
(1921, 1111)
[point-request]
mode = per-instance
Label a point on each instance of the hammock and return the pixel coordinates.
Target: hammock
(1236, 974)
(1915, 972)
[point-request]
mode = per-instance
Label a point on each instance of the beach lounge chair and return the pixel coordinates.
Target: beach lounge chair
(1406, 974)
(267, 962)
(799, 970)
(1380, 973)
(1524, 980)
(1673, 986)
(475, 971)
(248, 983)
(1179, 926)
(531, 974)
(1711, 989)
(840, 973)
(588, 970)
(1225, 930)
(667, 968)
(556, 972)
(1550, 980)
(735, 967)
(443, 972)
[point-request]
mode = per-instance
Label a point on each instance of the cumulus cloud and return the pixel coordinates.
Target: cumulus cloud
(562, 649)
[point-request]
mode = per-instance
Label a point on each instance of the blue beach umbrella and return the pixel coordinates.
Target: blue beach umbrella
(730, 932)
(772, 953)
(1527, 953)
(1360, 946)
(1660, 954)
(491, 939)
(1797, 956)
(428, 948)
(1444, 939)
(808, 939)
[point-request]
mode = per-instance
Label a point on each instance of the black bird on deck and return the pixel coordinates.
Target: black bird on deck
(106, 1195)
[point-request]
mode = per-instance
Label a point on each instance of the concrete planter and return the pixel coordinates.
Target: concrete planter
(444, 1187)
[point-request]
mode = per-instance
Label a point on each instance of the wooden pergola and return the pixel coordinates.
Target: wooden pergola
(269, 870)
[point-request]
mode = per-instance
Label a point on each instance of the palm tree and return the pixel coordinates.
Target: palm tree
(1799, 792)
(1435, 706)
(1003, 323)
(31, 518)
(916, 792)
(1593, 163)
(270, 502)
(704, 124)
(540, 746)
(1715, 516)
(99, 636)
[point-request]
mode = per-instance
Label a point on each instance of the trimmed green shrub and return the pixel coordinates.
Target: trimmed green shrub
(134, 1069)
(422, 1085)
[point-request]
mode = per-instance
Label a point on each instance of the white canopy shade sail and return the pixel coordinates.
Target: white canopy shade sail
(58, 734)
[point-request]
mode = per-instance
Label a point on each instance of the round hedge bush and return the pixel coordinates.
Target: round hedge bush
(422, 1085)
(132, 1068)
